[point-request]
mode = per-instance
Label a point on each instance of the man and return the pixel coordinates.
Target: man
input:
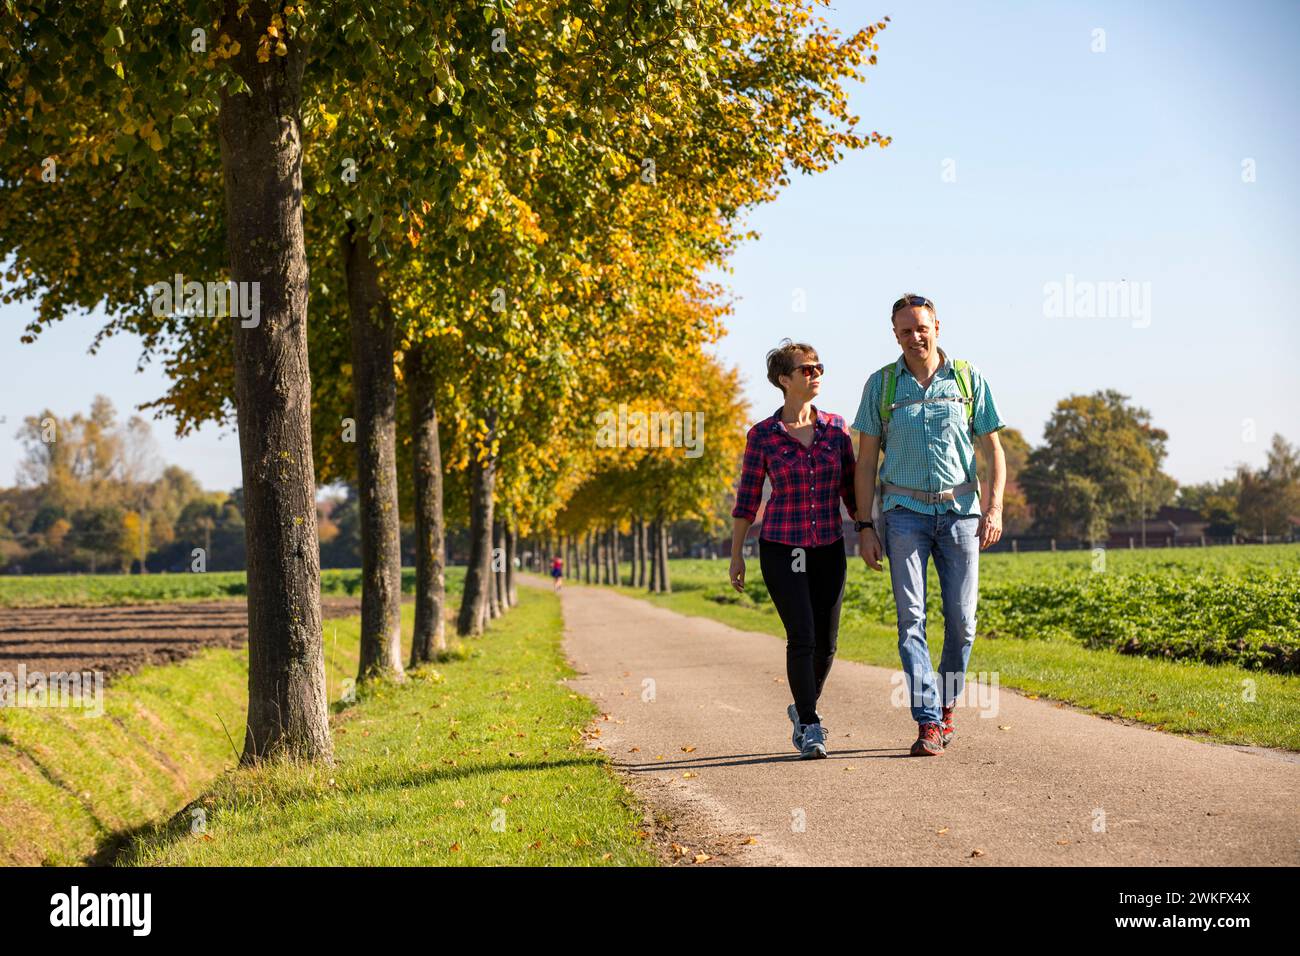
(931, 504)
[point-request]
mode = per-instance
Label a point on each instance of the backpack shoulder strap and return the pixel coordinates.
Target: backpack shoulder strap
(888, 384)
(962, 368)
(887, 388)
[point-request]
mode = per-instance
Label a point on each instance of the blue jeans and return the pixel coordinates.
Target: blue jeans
(911, 539)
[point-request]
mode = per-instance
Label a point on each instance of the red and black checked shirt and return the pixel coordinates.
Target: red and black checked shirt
(807, 483)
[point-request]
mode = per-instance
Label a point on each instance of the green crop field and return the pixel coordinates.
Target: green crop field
(1238, 605)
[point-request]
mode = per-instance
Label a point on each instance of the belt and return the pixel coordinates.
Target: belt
(932, 497)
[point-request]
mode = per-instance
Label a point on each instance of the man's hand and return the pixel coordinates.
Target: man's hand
(990, 529)
(869, 548)
(738, 572)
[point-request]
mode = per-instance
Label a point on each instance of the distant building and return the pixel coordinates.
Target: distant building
(1168, 527)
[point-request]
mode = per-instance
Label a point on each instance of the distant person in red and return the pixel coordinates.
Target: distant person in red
(557, 572)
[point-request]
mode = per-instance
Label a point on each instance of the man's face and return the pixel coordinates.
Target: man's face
(917, 331)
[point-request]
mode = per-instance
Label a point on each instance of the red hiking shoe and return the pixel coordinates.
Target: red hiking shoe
(929, 743)
(946, 728)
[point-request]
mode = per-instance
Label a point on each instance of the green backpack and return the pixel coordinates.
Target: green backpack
(887, 404)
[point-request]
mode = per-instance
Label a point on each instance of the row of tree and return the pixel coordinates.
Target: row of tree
(499, 213)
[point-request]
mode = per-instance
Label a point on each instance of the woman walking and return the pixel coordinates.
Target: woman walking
(808, 456)
(557, 572)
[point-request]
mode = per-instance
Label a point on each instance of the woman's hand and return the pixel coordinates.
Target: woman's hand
(869, 548)
(737, 572)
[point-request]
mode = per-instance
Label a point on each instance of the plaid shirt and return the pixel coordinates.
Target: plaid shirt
(807, 483)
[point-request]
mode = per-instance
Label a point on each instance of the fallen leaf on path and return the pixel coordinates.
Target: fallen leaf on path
(975, 853)
(749, 841)
(689, 776)
(702, 858)
(679, 849)
(942, 830)
(687, 749)
(1062, 842)
(1033, 697)
(634, 750)
(1004, 726)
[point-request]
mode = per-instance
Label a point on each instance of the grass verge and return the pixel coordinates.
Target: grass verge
(1225, 703)
(478, 760)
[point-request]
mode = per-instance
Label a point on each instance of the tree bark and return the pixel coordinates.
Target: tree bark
(472, 618)
(430, 637)
(261, 161)
(512, 546)
(374, 395)
(665, 539)
(495, 571)
(641, 544)
(613, 555)
(652, 558)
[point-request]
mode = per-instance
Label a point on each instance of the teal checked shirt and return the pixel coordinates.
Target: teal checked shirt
(929, 445)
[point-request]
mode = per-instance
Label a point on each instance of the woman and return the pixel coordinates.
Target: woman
(808, 456)
(557, 572)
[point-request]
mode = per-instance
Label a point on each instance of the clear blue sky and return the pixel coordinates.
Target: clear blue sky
(1122, 165)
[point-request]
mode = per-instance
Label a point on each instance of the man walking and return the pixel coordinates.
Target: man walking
(927, 411)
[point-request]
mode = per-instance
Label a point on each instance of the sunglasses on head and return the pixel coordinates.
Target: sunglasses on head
(809, 369)
(918, 301)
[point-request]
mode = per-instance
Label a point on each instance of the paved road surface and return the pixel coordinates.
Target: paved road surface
(1037, 792)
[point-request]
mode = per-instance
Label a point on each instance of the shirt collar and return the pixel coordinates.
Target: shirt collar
(945, 364)
(779, 426)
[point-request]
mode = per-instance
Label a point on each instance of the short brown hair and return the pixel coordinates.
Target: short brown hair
(907, 300)
(781, 360)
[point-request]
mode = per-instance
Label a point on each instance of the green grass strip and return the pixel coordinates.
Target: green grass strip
(477, 760)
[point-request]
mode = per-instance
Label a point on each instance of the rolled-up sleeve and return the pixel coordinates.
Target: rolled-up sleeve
(984, 416)
(749, 490)
(868, 417)
(847, 464)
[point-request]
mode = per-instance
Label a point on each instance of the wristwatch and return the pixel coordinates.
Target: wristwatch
(859, 525)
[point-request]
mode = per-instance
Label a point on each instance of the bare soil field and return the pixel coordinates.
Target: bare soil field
(121, 639)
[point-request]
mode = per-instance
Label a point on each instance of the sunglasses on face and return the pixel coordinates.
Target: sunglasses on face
(811, 369)
(917, 301)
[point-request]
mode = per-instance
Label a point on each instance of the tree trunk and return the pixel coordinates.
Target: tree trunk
(497, 570)
(474, 600)
(587, 545)
(613, 555)
(665, 539)
(430, 637)
(641, 547)
(261, 161)
(652, 557)
(374, 395)
(512, 546)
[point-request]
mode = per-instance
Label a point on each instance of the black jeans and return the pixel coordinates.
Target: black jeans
(807, 591)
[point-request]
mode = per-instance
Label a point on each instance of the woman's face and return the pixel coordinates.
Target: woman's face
(799, 386)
